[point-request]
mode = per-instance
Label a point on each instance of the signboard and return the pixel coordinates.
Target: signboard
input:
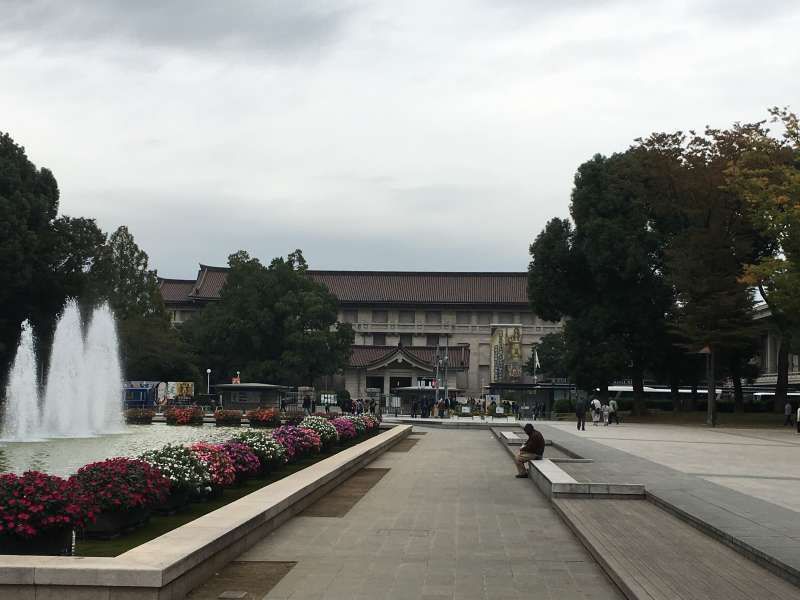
(180, 389)
(465, 410)
(499, 410)
(506, 353)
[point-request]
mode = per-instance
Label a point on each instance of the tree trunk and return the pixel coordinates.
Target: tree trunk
(736, 376)
(782, 384)
(674, 387)
(637, 378)
(711, 415)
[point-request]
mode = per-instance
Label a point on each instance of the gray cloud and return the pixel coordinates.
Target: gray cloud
(274, 27)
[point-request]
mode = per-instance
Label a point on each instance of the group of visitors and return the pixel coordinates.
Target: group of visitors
(347, 405)
(788, 410)
(428, 407)
(601, 412)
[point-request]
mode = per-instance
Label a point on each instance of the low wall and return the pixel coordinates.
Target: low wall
(171, 565)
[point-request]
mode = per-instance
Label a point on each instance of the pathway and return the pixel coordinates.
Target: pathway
(448, 520)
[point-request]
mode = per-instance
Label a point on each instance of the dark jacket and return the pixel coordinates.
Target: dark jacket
(580, 408)
(535, 444)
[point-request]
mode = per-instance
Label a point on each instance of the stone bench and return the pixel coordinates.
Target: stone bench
(554, 482)
(511, 438)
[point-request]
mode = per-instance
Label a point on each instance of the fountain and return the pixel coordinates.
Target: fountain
(83, 392)
(22, 407)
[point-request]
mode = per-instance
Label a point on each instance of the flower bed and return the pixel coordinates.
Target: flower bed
(345, 428)
(181, 466)
(38, 513)
(190, 415)
(216, 460)
(264, 417)
(298, 441)
(139, 416)
(323, 427)
(228, 418)
(119, 493)
(245, 462)
(270, 453)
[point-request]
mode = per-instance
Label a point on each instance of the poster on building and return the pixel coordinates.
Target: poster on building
(506, 354)
(180, 389)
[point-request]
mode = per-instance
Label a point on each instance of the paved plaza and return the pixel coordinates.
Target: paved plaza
(448, 520)
(762, 463)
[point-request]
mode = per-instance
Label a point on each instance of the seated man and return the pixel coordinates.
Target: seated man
(532, 450)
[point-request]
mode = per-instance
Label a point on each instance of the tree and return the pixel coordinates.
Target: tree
(552, 353)
(28, 204)
(706, 253)
(605, 274)
(766, 174)
(131, 287)
(153, 351)
(273, 323)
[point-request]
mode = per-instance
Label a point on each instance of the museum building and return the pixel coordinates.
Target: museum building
(407, 323)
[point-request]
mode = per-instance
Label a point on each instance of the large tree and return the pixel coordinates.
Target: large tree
(708, 238)
(604, 275)
(28, 205)
(273, 323)
(766, 174)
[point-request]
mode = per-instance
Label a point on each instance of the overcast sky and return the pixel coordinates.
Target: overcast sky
(425, 135)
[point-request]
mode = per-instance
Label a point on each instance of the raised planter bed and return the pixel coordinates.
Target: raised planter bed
(55, 542)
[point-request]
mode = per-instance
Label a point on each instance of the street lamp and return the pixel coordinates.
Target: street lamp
(208, 381)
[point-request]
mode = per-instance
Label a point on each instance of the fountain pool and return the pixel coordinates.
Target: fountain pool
(64, 456)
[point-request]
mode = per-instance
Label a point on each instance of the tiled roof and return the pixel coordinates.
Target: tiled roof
(399, 287)
(209, 282)
(366, 356)
(175, 290)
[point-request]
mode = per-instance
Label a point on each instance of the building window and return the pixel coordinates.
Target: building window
(380, 316)
(407, 317)
(506, 318)
(432, 340)
(433, 317)
(349, 316)
(484, 318)
(406, 339)
(378, 339)
(463, 318)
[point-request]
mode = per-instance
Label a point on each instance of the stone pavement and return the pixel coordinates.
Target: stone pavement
(737, 516)
(448, 520)
(762, 463)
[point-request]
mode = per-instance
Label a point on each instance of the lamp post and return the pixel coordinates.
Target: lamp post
(208, 381)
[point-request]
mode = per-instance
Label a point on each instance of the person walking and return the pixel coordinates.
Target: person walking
(533, 449)
(306, 404)
(597, 411)
(787, 410)
(580, 412)
(612, 411)
(606, 413)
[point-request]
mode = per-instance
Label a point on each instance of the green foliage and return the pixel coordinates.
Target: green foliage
(151, 350)
(131, 287)
(28, 205)
(273, 323)
(552, 353)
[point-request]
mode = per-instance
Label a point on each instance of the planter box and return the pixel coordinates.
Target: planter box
(109, 525)
(195, 421)
(261, 424)
(55, 542)
(139, 420)
(229, 422)
(176, 500)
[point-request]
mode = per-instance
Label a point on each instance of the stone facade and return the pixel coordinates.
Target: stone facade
(483, 318)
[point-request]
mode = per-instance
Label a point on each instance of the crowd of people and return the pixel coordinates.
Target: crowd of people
(601, 412)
